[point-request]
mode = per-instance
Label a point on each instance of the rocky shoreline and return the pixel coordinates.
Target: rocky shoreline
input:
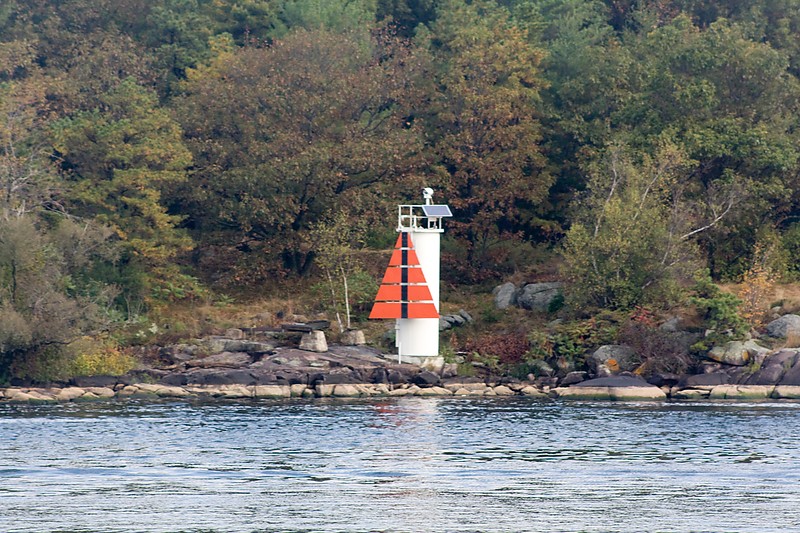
(621, 388)
(281, 365)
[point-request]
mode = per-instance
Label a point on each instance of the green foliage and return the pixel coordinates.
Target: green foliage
(178, 286)
(286, 135)
(44, 302)
(28, 178)
(178, 33)
(630, 246)
(719, 309)
(98, 356)
(336, 241)
(127, 124)
(790, 243)
(556, 304)
(122, 162)
(501, 348)
(334, 15)
(407, 15)
(565, 346)
(661, 351)
(361, 290)
(484, 125)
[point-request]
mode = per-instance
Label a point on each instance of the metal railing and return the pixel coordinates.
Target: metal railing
(411, 217)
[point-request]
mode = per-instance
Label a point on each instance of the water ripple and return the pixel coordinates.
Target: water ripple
(408, 464)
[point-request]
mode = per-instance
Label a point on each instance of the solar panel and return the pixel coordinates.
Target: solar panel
(437, 211)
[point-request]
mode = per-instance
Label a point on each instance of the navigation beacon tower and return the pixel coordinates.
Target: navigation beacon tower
(409, 292)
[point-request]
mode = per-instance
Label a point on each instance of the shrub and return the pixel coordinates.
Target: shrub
(567, 344)
(757, 286)
(790, 244)
(625, 249)
(719, 309)
(45, 299)
(507, 348)
(99, 356)
(662, 351)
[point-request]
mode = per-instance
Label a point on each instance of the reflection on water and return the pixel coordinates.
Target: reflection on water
(409, 464)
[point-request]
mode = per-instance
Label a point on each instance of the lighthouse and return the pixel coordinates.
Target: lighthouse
(409, 292)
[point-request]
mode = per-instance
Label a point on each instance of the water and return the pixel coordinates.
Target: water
(409, 464)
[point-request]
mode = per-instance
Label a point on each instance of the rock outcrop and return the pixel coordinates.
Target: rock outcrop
(273, 367)
(539, 297)
(738, 353)
(628, 388)
(783, 327)
(611, 359)
(505, 295)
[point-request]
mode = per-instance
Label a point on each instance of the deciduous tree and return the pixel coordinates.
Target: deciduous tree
(485, 123)
(289, 132)
(121, 159)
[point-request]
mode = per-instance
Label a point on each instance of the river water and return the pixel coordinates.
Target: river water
(406, 464)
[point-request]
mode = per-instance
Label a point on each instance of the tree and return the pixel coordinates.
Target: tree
(336, 242)
(634, 240)
(28, 178)
(333, 15)
(484, 123)
(732, 106)
(586, 71)
(121, 160)
(287, 134)
(244, 20)
(407, 15)
(47, 297)
(178, 33)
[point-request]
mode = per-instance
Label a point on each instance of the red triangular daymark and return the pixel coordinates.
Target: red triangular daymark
(404, 292)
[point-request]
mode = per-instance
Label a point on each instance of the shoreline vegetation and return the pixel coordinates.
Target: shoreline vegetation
(629, 171)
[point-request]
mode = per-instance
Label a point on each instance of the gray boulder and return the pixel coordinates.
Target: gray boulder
(314, 341)
(451, 321)
(338, 378)
(541, 368)
(252, 347)
(538, 296)
(234, 333)
(573, 378)
(792, 376)
(177, 353)
(738, 353)
(505, 295)
(773, 369)
(614, 381)
(626, 388)
(784, 326)
(217, 376)
(704, 380)
(612, 358)
(212, 345)
(425, 379)
(767, 375)
(786, 358)
(174, 380)
(663, 379)
(94, 381)
(353, 337)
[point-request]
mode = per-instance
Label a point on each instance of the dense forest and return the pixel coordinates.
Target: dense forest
(157, 151)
